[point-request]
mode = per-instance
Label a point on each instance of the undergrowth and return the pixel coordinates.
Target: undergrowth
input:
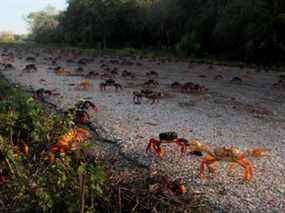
(28, 180)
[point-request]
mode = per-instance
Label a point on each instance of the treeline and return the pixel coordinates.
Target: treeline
(9, 37)
(249, 30)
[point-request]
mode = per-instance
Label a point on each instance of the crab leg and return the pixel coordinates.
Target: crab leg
(206, 161)
(248, 173)
(154, 144)
(158, 151)
(182, 145)
(149, 146)
(183, 148)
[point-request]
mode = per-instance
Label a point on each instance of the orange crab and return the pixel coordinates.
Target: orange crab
(230, 154)
(61, 71)
(69, 141)
(86, 85)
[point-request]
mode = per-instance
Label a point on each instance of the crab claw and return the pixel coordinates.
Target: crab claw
(155, 145)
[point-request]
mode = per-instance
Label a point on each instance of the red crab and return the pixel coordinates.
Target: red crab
(92, 75)
(176, 187)
(190, 87)
(236, 80)
(110, 83)
(42, 93)
(81, 111)
(187, 87)
(218, 77)
(152, 74)
(127, 74)
(86, 105)
(7, 66)
(155, 96)
(149, 94)
(151, 82)
(114, 71)
(176, 85)
(30, 68)
(137, 97)
(168, 138)
(279, 85)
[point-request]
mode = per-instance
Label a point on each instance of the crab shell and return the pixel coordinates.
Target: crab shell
(227, 154)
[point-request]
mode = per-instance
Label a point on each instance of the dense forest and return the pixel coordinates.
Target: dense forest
(248, 30)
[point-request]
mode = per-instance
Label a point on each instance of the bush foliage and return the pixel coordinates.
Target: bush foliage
(28, 180)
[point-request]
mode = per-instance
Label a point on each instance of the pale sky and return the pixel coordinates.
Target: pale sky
(13, 11)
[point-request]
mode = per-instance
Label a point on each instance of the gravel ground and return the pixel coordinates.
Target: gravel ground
(246, 116)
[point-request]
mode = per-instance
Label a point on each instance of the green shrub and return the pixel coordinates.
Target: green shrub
(32, 182)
